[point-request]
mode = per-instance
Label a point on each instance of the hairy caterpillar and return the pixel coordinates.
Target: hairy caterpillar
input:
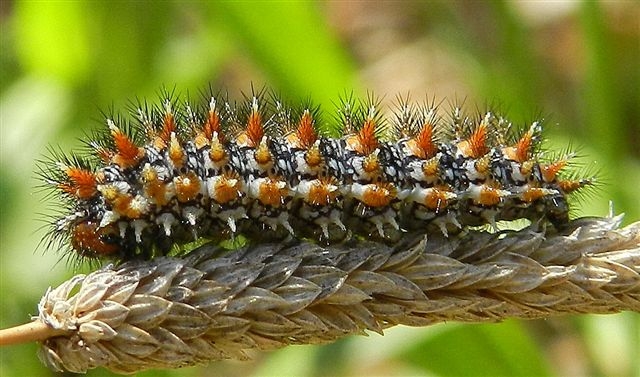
(182, 171)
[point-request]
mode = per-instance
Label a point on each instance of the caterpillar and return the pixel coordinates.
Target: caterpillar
(180, 171)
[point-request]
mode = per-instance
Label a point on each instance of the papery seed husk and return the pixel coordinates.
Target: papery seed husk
(173, 312)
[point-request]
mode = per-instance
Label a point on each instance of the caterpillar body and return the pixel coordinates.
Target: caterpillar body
(179, 172)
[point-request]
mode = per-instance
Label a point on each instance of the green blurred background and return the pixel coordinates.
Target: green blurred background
(576, 64)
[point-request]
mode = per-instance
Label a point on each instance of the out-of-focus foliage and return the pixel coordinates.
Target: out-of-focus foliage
(575, 64)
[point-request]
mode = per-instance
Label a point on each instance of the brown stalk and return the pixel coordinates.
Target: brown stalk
(212, 305)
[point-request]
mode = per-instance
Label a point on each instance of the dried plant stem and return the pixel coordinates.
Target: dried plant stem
(35, 331)
(212, 305)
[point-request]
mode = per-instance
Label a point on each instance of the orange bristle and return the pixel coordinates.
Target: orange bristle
(217, 153)
(121, 203)
(128, 153)
(569, 186)
(163, 137)
(550, 171)
(437, 199)
(371, 164)
(227, 188)
(263, 154)
(526, 167)
(176, 152)
(187, 187)
(313, 157)
(367, 139)
(154, 188)
(200, 140)
(476, 145)
(431, 167)
(103, 153)
(272, 192)
(523, 147)
(82, 183)
(379, 194)
(533, 194)
(483, 164)
(255, 129)
(323, 191)
(489, 196)
(168, 126)
(425, 143)
(211, 125)
(305, 132)
(521, 151)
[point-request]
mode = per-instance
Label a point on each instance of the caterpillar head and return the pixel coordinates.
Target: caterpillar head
(90, 240)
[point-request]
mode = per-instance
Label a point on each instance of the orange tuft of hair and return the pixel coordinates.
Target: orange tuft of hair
(272, 192)
(476, 145)
(154, 188)
(431, 167)
(523, 147)
(187, 187)
(437, 199)
(255, 128)
(323, 191)
(217, 153)
(550, 171)
(423, 145)
(532, 194)
(82, 183)
(263, 154)
(526, 168)
(176, 152)
(313, 157)
(305, 132)
(200, 140)
(128, 153)
(489, 196)
(227, 188)
(367, 139)
(521, 151)
(121, 203)
(168, 126)
(211, 125)
(104, 154)
(371, 164)
(209, 130)
(483, 165)
(379, 194)
(568, 185)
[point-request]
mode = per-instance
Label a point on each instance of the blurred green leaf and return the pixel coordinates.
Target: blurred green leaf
(602, 108)
(293, 44)
(52, 39)
(503, 349)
